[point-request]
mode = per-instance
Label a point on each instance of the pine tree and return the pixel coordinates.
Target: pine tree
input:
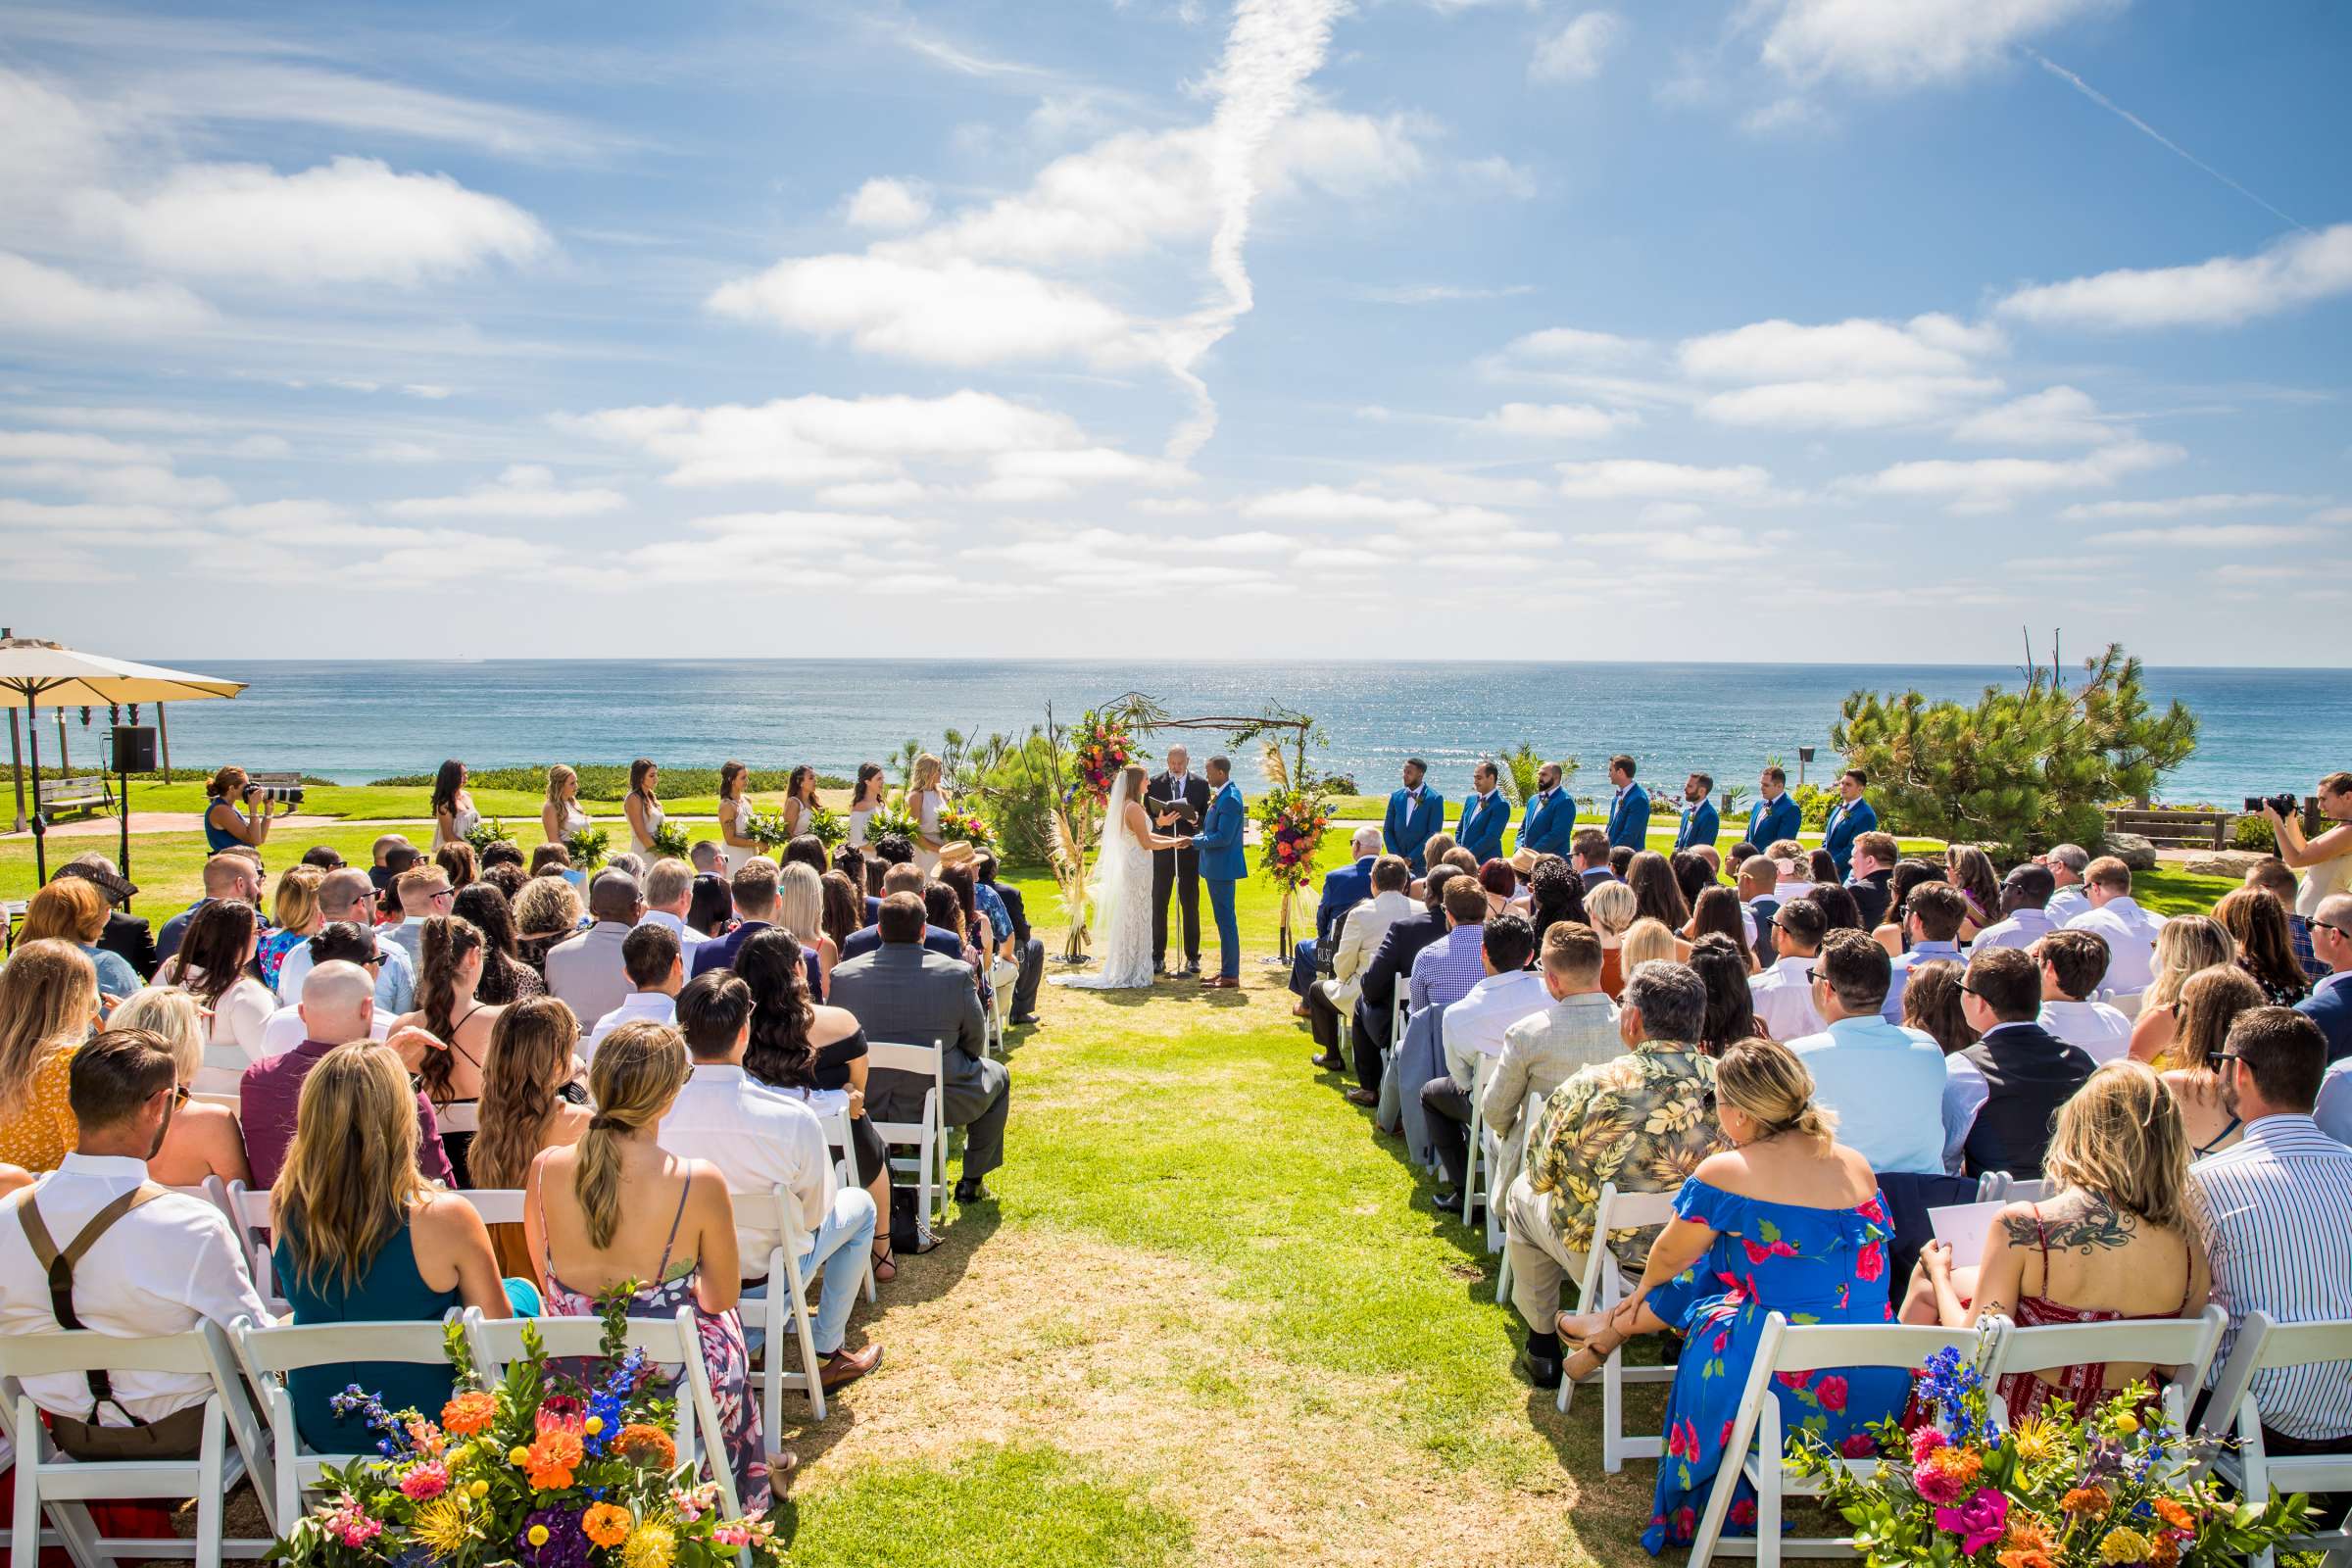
(2023, 767)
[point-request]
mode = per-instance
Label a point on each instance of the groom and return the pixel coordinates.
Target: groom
(1219, 842)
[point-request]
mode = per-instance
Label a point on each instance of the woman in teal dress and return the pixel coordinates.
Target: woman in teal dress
(1787, 1220)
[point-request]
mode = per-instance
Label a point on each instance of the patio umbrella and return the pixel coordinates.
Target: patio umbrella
(45, 672)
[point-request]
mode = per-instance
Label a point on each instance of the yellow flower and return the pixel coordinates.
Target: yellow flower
(519, 1456)
(2123, 1545)
(480, 1488)
(536, 1534)
(444, 1526)
(592, 1425)
(651, 1546)
(2036, 1440)
(2126, 1423)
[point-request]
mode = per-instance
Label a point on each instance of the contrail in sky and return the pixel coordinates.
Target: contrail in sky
(2137, 124)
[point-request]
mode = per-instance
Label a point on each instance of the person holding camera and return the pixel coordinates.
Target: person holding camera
(2326, 861)
(225, 827)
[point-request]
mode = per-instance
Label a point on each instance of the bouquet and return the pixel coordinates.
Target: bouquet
(1291, 825)
(766, 829)
(587, 847)
(542, 1471)
(1099, 746)
(954, 822)
(892, 821)
(826, 825)
(2113, 1487)
(483, 834)
(670, 841)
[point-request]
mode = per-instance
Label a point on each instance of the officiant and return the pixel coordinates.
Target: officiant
(1179, 799)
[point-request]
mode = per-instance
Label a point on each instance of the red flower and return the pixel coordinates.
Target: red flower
(1832, 1391)
(1794, 1380)
(1725, 1440)
(1686, 1522)
(1743, 1512)
(1871, 1262)
(1859, 1445)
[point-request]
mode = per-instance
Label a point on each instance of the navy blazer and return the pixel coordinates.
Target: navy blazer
(1342, 890)
(1549, 824)
(1770, 822)
(719, 953)
(1481, 829)
(2330, 1006)
(1700, 825)
(867, 938)
(1629, 820)
(1848, 823)
(1406, 827)
(1219, 840)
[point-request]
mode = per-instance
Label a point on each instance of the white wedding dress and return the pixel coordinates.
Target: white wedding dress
(1121, 917)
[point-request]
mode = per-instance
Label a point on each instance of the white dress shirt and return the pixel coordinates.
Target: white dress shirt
(1783, 998)
(1474, 1026)
(285, 1031)
(2067, 903)
(2020, 930)
(648, 1006)
(166, 1266)
(2104, 1034)
(688, 936)
(2130, 933)
(757, 1139)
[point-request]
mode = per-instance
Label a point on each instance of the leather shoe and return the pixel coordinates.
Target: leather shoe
(1543, 1371)
(1025, 1020)
(846, 1365)
(1447, 1200)
(971, 1190)
(1299, 1010)
(1363, 1097)
(1330, 1063)
(1227, 982)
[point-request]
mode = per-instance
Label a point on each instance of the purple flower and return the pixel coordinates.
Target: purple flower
(566, 1544)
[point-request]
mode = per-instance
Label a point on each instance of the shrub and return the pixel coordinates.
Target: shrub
(609, 781)
(2255, 833)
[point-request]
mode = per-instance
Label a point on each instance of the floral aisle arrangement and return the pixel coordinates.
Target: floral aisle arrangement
(587, 847)
(2112, 1488)
(956, 822)
(670, 841)
(542, 1470)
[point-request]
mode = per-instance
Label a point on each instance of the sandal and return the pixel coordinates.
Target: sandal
(1592, 1355)
(884, 1269)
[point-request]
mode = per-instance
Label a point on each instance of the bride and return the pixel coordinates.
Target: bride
(1122, 898)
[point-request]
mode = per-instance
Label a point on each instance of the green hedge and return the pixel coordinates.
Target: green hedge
(609, 781)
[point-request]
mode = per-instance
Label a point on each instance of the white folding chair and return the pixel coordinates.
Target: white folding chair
(1397, 1021)
(927, 1136)
(497, 1206)
(2013, 1189)
(249, 1215)
(671, 1342)
(459, 1116)
(2185, 1345)
(1603, 1286)
(270, 1351)
(49, 1482)
(787, 1297)
(2127, 1003)
(1498, 1221)
(845, 1169)
(2265, 1346)
(1001, 978)
(1756, 1451)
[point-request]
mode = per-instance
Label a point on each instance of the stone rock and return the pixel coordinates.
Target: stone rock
(2132, 850)
(2232, 863)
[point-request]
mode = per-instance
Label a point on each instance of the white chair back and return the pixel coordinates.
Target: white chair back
(1497, 1209)
(248, 1211)
(927, 1136)
(498, 1205)
(787, 1297)
(2185, 1345)
(269, 1351)
(845, 1170)
(1602, 1286)
(2318, 1351)
(459, 1116)
(1473, 1146)
(2127, 1003)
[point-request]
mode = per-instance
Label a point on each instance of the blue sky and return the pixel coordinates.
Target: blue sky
(1796, 329)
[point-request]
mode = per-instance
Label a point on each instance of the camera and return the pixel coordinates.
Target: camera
(2283, 804)
(271, 794)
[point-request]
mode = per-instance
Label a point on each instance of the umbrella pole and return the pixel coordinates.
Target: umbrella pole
(15, 766)
(40, 850)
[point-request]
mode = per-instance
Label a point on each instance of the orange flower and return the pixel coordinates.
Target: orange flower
(2173, 1514)
(1961, 1464)
(2164, 1553)
(552, 1460)
(2091, 1502)
(607, 1524)
(469, 1413)
(2028, 1544)
(2025, 1558)
(646, 1447)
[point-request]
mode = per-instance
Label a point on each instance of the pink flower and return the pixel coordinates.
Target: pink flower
(731, 1536)
(1743, 1512)
(1977, 1522)
(425, 1482)
(1926, 1441)
(1871, 1262)
(1858, 1446)
(1937, 1485)
(1794, 1380)
(1833, 1393)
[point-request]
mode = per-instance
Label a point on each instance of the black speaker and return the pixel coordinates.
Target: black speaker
(134, 748)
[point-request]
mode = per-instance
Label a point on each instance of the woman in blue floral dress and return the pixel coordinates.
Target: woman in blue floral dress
(1787, 1220)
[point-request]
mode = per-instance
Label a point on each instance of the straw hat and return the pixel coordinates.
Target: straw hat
(1524, 862)
(958, 852)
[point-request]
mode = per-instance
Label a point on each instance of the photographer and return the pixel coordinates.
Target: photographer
(2326, 860)
(225, 825)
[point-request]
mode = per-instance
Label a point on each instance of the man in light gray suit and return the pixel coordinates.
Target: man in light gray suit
(1539, 1054)
(902, 993)
(587, 972)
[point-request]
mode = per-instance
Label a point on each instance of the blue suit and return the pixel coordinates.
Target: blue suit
(1629, 820)
(1222, 864)
(1770, 822)
(1549, 824)
(1342, 890)
(1482, 825)
(1408, 826)
(1700, 825)
(1848, 823)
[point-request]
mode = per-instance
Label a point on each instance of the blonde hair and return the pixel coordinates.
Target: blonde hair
(2210, 1002)
(69, 910)
(1771, 1084)
(1648, 939)
(926, 773)
(1611, 907)
(48, 995)
(2184, 945)
(2121, 1136)
(350, 1179)
(546, 904)
(801, 902)
(557, 777)
(295, 905)
(172, 1015)
(637, 1072)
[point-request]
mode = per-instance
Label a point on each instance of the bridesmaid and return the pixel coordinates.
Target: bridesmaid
(454, 815)
(561, 818)
(644, 811)
(871, 792)
(800, 800)
(736, 846)
(924, 800)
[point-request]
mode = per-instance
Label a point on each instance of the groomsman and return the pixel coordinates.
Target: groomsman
(1484, 815)
(1701, 823)
(1415, 811)
(1775, 815)
(1628, 813)
(1550, 818)
(1850, 818)
(1177, 869)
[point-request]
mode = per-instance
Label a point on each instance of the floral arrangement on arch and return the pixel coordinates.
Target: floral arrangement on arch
(954, 822)
(1100, 746)
(587, 847)
(541, 1471)
(2115, 1488)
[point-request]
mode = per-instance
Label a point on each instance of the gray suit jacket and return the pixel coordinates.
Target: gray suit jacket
(586, 974)
(904, 994)
(1541, 1053)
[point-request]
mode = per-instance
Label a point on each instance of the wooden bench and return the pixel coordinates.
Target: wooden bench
(73, 794)
(2173, 828)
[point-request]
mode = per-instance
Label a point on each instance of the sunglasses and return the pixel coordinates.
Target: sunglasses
(2329, 925)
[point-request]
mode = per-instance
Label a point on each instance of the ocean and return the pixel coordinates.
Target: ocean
(2261, 730)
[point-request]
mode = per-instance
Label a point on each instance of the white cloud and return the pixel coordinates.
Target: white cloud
(2208, 536)
(2056, 416)
(1993, 485)
(816, 439)
(1574, 53)
(1856, 403)
(282, 514)
(137, 482)
(1784, 350)
(874, 493)
(1577, 344)
(1642, 478)
(525, 490)
(1089, 465)
(890, 205)
(1792, 113)
(1439, 293)
(2185, 505)
(1711, 544)
(58, 446)
(1572, 422)
(1500, 174)
(84, 516)
(1322, 502)
(1888, 45)
(401, 452)
(353, 221)
(429, 392)
(2223, 292)
(39, 299)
